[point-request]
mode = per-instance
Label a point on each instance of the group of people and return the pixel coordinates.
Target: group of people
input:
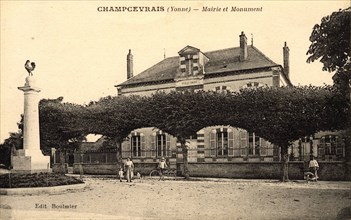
(162, 165)
(128, 168)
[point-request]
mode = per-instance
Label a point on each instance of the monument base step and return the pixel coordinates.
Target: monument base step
(30, 164)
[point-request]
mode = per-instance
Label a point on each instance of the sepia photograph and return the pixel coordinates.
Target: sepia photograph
(179, 110)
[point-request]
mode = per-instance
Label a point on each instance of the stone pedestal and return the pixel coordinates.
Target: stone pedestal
(30, 159)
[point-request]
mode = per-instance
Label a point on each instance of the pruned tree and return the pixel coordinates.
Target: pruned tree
(283, 115)
(280, 115)
(182, 114)
(116, 117)
(60, 124)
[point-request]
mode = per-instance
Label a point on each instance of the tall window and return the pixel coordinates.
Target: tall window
(254, 144)
(331, 148)
(306, 147)
(161, 145)
(189, 64)
(136, 146)
(222, 142)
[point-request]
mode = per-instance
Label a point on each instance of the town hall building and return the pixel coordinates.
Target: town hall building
(218, 151)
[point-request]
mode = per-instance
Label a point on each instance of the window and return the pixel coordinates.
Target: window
(189, 65)
(222, 89)
(221, 142)
(254, 144)
(137, 145)
(252, 85)
(251, 144)
(306, 147)
(332, 146)
(161, 145)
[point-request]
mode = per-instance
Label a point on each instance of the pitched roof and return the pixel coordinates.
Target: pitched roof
(225, 60)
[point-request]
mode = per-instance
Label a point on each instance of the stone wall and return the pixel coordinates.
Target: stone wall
(111, 169)
(239, 170)
(264, 170)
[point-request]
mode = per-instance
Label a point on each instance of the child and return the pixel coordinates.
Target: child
(313, 166)
(120, 174)
(138, 176)
(162, 166)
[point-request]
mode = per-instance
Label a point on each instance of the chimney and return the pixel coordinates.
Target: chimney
(129, 65)
(243, 46)
(286, 60)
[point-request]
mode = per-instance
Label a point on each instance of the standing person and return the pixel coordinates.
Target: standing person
(313, 166)
(162, 165)
(128, 167)
(120, 174)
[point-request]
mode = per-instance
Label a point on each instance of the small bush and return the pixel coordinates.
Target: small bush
(36, 180)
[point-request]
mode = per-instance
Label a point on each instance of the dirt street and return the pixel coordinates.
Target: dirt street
(107, 198)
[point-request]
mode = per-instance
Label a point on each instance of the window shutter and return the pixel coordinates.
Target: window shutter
(213, 143)
(142, 147)
(230, 142)
(153, 145)
(243, 142)
(321, 150)
(168, 145)
(263, 148)
(128, 152)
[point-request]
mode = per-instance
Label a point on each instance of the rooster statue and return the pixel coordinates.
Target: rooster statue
(29, 67)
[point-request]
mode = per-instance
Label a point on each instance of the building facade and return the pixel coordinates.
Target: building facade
(223, 70)
(219, 151)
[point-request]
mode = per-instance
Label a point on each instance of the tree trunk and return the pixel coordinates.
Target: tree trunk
(119, 153)
(185, 158)
(62, 162)
(12, 153)
(284, 164)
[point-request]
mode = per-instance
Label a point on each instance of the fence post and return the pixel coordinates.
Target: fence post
(10, 180)
(80, 171)
(47, 174)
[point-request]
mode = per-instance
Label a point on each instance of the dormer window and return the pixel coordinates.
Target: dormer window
(192, 61)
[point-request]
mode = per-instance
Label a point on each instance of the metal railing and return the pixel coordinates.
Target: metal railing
(110, 156)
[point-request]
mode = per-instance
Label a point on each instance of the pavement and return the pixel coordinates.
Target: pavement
(104, 197)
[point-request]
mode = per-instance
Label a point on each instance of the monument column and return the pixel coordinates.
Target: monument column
(30, 159)
(31, 133)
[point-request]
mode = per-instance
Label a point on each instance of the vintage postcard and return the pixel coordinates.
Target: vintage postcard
(81, 51)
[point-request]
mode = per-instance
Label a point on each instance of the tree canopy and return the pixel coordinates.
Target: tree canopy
(280, 115)
(60, 123)
(331, 43)
(331, 40)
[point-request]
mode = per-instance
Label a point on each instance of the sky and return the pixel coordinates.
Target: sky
(80, 52)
